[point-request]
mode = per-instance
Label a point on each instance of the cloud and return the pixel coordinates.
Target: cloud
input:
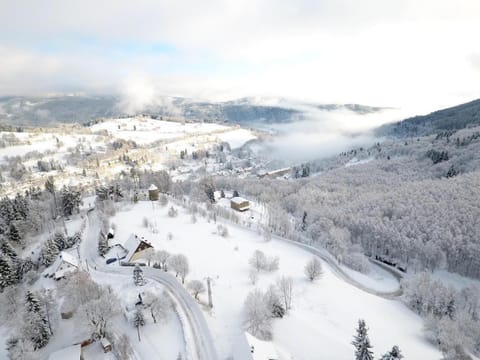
(326, 133)
(402, 53)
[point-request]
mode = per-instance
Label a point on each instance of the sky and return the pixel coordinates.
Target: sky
(419, 55)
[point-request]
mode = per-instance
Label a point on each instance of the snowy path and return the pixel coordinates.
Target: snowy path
(197, 336)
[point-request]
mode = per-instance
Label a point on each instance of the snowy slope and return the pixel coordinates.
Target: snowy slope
(324, 315)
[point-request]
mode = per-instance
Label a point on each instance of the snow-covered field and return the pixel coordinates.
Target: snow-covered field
(324, 315)
(145, 130)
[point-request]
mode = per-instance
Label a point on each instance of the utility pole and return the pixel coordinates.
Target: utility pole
(209, 289)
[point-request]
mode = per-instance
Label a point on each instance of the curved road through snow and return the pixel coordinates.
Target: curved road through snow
(197, 335)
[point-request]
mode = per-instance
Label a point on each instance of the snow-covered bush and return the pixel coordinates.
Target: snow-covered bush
(172, 212)
(196, 287)
(179, 264)
(313, 269)
(258, 319)
(222, 230)
(159, 306)
(260, 262)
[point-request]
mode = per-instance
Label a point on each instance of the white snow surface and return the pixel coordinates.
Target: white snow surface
(377, 279)
(322, 322)
(237, 138)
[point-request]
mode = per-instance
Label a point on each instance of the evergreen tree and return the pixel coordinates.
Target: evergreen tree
(235, 193)
(362, 342)
(60, 241)
(71, 200)
(7, 249)
(394, 354)
(36, 322)
(32, 304)
(14, 234)
(139, 319)
(304, 221)
(20, 207)
(7, 272)
(49, 252)
(102, 244)
(138, 276)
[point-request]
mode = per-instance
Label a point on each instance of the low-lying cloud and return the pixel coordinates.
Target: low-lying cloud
(327, 133)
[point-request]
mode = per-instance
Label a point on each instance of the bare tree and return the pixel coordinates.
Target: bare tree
(313, 269)
(258, 261)
(179, 264)
(98, 313)
(149, 255)
(253, 276)
(158, 305)
(162, 257)
(285, 288)
(196, 287)
(258, 320)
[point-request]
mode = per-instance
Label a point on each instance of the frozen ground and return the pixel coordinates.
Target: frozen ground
(324, 315)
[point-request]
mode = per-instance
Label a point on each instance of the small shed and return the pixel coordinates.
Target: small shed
(239, 204)
(106, 345)
(153, 193)
(64, 264)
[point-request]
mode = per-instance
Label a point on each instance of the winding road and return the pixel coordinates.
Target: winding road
(198, 340)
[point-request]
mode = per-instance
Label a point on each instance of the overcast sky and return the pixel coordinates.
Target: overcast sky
(415, 54)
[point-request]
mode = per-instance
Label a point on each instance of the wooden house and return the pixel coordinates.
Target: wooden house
(239, 204)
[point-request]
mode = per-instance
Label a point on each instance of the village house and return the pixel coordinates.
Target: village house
(136, 248)
(239, 204)
(64, 264)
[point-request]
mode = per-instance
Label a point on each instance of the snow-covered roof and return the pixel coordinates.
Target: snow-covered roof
(70, 353)
(69, 258)
(261, 350)
(152, 188)
(238, 200)
(105, 342)
(131, 245)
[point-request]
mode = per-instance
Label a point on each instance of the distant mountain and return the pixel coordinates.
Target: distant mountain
(454, 118)
(44, 111)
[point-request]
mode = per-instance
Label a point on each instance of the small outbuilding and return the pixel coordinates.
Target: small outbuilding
(239, 204)
(106, 345)
(153, 193)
